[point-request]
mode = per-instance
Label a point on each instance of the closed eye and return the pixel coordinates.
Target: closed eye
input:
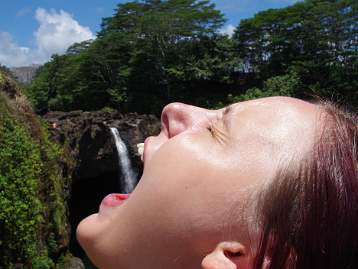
(215, 131)
(211, 128)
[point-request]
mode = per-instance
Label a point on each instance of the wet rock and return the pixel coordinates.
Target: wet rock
(91, 159)
(74, 263)
(89, 142)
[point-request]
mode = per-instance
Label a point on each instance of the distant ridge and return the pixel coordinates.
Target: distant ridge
(25, 74)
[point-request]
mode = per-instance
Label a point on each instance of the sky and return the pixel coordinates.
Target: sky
(32, 31)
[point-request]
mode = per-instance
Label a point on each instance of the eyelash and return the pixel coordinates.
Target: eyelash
(215, 131)
(211, 128)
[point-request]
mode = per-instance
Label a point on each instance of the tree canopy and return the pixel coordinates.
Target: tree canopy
(318, 39)
(152, 52)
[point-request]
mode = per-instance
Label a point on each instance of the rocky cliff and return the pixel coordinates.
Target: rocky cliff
(33, 226)
(90, 144)
(54, 172)
(92, 160)
(25, 74)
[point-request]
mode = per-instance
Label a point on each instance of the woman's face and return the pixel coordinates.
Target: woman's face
(199, 175)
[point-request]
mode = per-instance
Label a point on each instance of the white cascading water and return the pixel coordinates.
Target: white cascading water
(124, 162)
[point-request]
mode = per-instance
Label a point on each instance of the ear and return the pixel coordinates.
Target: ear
(227, 255)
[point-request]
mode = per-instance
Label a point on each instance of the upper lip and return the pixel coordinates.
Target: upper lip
(152, 144)
(145, 149)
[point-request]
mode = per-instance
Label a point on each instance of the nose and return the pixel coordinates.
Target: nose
(179, 117)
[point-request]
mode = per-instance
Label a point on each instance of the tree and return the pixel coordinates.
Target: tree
(139, 59)
(152, 52)
(317, 38)
(284, 85)
(54, 86)
(157, 31)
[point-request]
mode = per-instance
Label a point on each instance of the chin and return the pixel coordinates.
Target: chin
(85, 231)
(88, 235)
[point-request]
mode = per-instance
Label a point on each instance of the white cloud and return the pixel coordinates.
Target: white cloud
(56, 32)
(228, 30)
(12, 54)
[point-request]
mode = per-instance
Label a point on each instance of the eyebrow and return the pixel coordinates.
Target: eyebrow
(225, 114)
(227, 110)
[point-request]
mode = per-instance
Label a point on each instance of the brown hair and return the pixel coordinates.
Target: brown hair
(309, 216)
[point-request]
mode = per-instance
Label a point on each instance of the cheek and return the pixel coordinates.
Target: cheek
(181, 187)
(178, 166)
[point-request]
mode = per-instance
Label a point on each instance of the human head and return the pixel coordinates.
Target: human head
(316, 226)
(206, 176)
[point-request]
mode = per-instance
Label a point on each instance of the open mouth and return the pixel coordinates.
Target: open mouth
(111, 201)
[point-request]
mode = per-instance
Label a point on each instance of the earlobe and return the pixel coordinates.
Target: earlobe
(227, 255)
(217, 260)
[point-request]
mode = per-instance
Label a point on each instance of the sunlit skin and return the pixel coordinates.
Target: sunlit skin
(193, 206)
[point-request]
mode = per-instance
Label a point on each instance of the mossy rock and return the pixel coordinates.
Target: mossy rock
(32, 208)
(1, 78)
(8, 85)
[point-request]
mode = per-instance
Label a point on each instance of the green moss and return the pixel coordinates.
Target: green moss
(107, 109)
(20, 207)
(32, 203)
(1, 78)
(53, 192)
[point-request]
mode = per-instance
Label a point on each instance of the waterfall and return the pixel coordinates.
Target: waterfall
(124, 162)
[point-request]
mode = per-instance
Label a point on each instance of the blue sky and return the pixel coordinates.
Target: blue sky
(30, 31)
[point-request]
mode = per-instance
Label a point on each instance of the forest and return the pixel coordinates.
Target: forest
(153, 52)
(149, 53)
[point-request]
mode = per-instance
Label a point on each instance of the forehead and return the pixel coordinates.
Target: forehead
(275, 104)
(279, 122)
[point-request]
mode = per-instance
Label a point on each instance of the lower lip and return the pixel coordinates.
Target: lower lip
(113, 200)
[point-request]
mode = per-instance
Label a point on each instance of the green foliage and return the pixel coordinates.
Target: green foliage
(52, 89)
(152, 52)
(285, 85)
(32, 206)
(165, 22)
(53, 187)
(6, 71)
(316, 38)
(145, 54)
(107, 109)
(20, 207)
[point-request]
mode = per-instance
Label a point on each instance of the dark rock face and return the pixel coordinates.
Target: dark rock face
(92, 160)
(74, 263)
(90, 142)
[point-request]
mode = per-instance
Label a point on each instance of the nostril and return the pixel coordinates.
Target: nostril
(176, 126)
(174, 119)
